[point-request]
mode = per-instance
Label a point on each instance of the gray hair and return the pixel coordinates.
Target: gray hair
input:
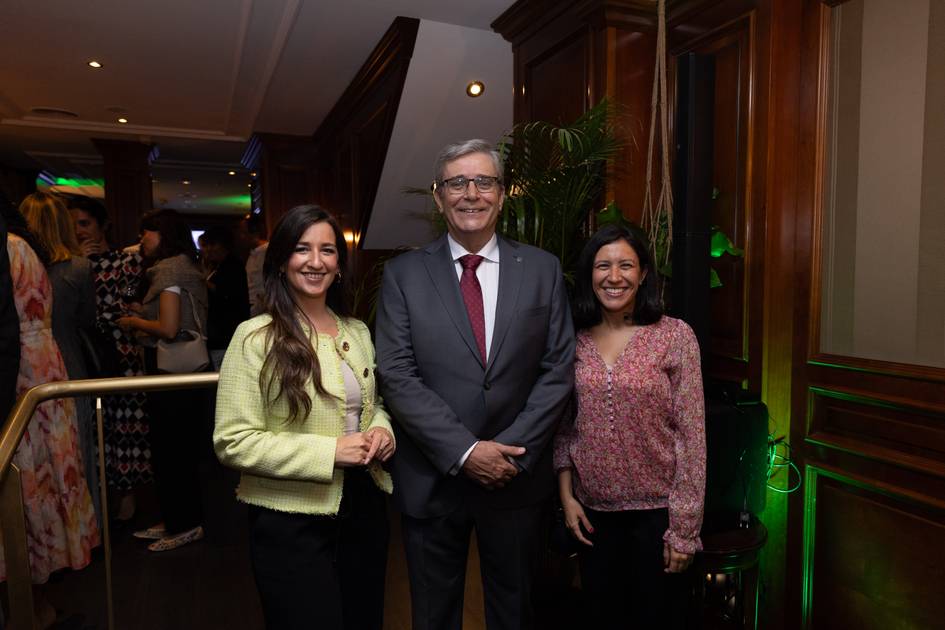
(455, 151)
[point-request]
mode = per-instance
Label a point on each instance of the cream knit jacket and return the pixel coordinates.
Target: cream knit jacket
(286, 466)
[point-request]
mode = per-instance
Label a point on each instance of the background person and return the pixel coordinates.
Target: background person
(60, 520)
(252, 235)
(475, 351)
(631, 466)
(73, 313)
(298, 415)
(179, 418)
(226, 290)
(9, 326)
(118, 280)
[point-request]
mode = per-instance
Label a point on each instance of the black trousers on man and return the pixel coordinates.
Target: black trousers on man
(437, 549)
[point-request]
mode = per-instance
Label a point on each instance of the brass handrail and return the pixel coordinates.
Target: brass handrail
(12, 516)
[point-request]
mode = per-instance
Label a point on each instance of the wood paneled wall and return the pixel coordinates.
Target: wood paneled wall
(860, 544)
(285, 173)
(738, 138)
(351, 144)
(870, 435)
(16, 184)
(568, 56)
(127, 172)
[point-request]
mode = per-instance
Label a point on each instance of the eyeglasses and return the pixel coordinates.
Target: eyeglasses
(457, 185)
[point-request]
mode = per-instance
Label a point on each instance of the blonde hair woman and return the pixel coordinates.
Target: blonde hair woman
(60, 521)
(73, 310)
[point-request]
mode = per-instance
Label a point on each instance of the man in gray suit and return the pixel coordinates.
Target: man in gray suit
(475, 350)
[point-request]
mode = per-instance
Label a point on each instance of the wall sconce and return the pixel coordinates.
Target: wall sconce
(475, 88)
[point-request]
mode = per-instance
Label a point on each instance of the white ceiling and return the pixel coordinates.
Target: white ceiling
(435, 111)
(195, 77)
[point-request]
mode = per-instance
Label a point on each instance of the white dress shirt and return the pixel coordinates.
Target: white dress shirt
(488, 275)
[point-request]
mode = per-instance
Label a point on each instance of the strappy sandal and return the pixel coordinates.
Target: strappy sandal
(156, 532)
(178, 540)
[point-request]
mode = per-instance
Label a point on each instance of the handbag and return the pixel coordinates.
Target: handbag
(188, 352)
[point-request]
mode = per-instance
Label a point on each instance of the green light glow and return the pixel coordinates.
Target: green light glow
(78, 183)
(226, 201)
(722, 244)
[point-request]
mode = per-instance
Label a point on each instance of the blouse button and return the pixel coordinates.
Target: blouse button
(366, 372)
(345, 346)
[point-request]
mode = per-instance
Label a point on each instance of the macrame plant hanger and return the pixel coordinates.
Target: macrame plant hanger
(657, 217)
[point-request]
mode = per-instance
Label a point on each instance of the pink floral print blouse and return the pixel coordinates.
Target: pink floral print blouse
(638, 439)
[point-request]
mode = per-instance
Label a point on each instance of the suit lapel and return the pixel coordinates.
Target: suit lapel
(511, 270)
(442, 273)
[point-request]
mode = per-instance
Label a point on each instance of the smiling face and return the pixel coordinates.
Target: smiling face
(471, 216)
(86, 227)
(313, 265)
(617, 276)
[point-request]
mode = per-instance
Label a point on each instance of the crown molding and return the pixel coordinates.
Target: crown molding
(119, 129)
(527, 17)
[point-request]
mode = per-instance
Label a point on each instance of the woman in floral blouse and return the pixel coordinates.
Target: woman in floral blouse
(631, 466)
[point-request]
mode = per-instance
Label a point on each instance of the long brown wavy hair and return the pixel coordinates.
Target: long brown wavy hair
(291, 360)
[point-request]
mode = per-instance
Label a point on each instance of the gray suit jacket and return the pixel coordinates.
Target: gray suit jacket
(441, 395)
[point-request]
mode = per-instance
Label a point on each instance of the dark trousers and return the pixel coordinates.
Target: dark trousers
(622, 575)
(437, 549)
(324, 572)
(179, 428)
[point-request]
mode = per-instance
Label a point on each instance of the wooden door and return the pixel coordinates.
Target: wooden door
(866, 537)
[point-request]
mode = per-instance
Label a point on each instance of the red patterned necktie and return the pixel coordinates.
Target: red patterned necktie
(472, 296)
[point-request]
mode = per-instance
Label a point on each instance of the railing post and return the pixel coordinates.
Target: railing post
(16, 552)
(13, 523)
(106, 528)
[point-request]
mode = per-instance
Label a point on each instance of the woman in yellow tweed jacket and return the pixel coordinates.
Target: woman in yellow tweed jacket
(298, 415)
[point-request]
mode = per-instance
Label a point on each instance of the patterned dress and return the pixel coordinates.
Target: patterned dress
(60, 522)
(127, 446)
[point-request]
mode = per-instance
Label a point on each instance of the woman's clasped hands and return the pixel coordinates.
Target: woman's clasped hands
(360, 449)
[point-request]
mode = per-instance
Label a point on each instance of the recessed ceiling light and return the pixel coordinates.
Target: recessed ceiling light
(253, 174)
(123, 121)
(185, 182)
(95, 64)
(475, 88)
(232, 172)
(249, 185)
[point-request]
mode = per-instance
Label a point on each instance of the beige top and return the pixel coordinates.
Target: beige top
(352, 399)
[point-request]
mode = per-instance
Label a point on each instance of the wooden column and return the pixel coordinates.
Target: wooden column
(352, 143)
(568, 56)
(127, 185)
(17, 183)
(285, 171)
